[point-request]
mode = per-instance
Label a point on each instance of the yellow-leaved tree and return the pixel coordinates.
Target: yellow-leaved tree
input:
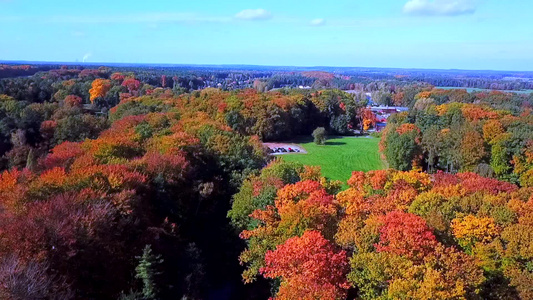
(99, 88)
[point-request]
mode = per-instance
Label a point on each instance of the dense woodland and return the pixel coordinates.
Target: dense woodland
(490, 133)
(390, 235)
(140, 184)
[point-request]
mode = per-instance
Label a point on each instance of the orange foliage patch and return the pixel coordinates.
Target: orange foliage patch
(310, 268)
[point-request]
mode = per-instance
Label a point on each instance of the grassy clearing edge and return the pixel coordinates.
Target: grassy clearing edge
(340, 156)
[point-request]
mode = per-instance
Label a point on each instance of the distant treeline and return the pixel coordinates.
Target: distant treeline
(268, 78)
(7, 71)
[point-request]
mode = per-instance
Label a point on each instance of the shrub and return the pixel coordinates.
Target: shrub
(320, 135)
(376, 134)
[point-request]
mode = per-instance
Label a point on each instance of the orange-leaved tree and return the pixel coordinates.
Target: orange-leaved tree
(99, 88)
(309, 268)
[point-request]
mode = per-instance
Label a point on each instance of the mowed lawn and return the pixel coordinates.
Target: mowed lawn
(340, 156)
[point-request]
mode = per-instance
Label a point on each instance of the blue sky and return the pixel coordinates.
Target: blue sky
(463, 34)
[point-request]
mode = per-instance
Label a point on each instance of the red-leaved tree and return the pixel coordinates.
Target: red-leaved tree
(406, 234)
(309, 268)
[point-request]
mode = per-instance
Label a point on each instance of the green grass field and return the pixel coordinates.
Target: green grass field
(340, 156)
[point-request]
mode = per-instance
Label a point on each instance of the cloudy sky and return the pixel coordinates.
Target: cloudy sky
(464, 34)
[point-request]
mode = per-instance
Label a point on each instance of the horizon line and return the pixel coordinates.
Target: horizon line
(247, 65)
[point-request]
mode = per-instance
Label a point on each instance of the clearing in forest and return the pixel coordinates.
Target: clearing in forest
(339, 156)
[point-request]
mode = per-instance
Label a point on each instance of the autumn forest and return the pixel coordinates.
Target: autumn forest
(137, 182)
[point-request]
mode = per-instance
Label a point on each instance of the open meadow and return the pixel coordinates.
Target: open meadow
(340, 156)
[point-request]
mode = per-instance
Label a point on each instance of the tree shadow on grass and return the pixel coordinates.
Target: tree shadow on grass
(335, 143)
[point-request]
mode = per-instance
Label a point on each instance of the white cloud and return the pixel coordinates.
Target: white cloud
(254, 14)
(318, 22)
(440, 7)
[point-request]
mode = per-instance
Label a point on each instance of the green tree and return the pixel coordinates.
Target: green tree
(147, 272)
(320, 135)
(402, 148)
(431, 143)
(500, 160)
